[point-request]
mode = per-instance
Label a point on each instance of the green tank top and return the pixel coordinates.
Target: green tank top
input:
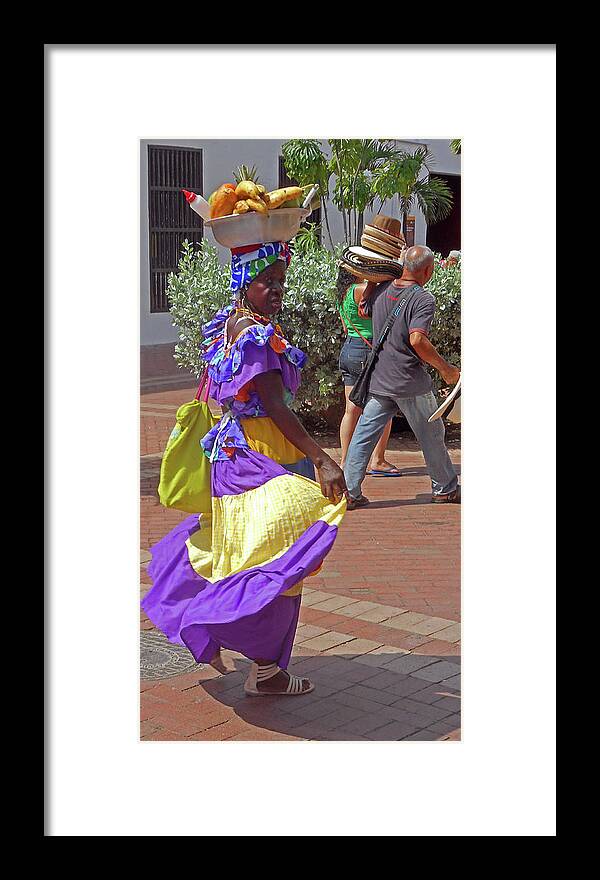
(349, 312)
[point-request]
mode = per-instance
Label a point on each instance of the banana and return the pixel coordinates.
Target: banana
(241, 207)
(264, 195)
(278, 196)
(257, 205)
(297, 202)
(247, 189)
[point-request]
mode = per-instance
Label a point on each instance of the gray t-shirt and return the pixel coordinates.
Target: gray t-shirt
(399, 372)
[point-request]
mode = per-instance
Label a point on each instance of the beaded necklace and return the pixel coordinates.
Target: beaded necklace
(243, 312)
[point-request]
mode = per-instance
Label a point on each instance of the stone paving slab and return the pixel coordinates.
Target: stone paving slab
(335, 603)
(305, 632)
(449, 634)
(436, 671)
(432, 625)
(354, 648)
(376, 660)
(314, 597)
(357, 609)
(327, 640)
(406, 621)
(410, 663)
(378, 613)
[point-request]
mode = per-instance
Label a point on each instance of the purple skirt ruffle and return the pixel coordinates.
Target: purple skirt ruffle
(245, 611)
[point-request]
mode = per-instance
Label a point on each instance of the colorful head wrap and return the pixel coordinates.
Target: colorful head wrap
(247, 262)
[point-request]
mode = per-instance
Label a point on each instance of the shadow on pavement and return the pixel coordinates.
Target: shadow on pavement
(149, 477)
(393, 502)
(412, 697)
(412, 472)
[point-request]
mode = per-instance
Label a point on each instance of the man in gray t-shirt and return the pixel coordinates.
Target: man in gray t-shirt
(399, 371)
(400, 381)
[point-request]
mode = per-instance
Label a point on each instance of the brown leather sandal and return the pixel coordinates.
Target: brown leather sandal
(450, 498)
(361, 501)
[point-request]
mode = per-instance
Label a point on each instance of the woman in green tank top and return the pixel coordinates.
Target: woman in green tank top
(353, 357)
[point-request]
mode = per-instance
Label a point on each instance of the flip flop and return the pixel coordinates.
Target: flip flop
(396, 472)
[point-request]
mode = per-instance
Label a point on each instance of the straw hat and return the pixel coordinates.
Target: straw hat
(383, 236)
(376, 245)
(369, 266)
(378, 257)
(387, 225)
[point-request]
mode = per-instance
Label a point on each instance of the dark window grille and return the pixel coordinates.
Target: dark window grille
(286, 180)
(171, 220)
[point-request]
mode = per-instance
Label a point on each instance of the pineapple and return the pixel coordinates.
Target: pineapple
(245, 173)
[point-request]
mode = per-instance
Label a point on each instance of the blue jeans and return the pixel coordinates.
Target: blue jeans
(353, 357)
(430, 437)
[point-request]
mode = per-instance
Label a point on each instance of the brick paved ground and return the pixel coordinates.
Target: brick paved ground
(379, 627)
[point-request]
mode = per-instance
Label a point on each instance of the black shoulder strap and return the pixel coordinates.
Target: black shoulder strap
(396, 312)
(360, 390)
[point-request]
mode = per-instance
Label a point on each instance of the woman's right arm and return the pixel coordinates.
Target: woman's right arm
(363, 291)
(331, 477)
(364, 299)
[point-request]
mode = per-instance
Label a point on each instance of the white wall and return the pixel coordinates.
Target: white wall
(219, 160)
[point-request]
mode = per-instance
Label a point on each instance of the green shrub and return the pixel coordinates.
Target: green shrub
(445, 330)
(198, 290)
(309, 319)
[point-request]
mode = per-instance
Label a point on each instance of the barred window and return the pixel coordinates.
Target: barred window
(171, 220)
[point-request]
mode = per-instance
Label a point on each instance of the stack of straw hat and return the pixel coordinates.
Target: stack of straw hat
(380, 254)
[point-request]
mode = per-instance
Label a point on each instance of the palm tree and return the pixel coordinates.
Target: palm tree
(306, 163)
(455, 146)
(408, 176)
(354, 162)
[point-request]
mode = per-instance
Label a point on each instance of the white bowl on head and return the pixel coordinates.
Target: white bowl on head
(239, 230)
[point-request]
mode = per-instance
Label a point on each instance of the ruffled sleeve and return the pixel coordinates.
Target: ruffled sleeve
(257, 350)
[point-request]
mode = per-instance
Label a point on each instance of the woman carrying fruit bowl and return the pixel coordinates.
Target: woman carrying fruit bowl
(236, 581)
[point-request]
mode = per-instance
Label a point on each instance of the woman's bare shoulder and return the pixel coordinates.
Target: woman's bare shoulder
(359, 289)
(235, 326)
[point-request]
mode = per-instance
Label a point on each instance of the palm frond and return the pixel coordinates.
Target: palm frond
(421, 157)
(305, 162)
(434, 198)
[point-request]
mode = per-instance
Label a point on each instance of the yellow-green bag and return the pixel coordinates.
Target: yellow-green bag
(185, 471)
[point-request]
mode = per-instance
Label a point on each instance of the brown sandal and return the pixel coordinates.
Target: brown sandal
(450, 498)
(361, 501)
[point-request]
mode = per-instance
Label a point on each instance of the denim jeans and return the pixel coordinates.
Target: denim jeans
(430, 436)
(353, 357)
